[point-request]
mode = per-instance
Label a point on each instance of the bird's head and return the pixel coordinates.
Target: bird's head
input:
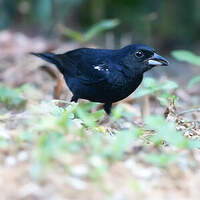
(142, 58)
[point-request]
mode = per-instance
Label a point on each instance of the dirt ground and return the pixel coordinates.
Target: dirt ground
(131, 177)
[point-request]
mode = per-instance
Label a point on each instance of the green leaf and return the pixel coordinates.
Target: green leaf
(166, 131)
(152, 86)
(49, 146)
(169, 85)
(100, 27)
(11, 97)
(160, 160)
(75, 35)
(187, 56)
(118, 112)
(91, 33)
(121, 143)
(163, 101)
(193, 81)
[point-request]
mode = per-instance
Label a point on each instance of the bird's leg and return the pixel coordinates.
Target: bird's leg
(107, 108)
(74, 99)
(106, 120)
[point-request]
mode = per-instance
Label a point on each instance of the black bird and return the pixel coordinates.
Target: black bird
(104, 75)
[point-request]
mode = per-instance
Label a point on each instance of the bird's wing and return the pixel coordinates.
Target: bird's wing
(87, 67)
(93, 72)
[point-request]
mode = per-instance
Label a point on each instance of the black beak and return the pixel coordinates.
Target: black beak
(157, 60)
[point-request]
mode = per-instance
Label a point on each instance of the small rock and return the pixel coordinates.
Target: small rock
(10, 161)
(77, 183)
(96, 161)
(80, 170)
(22, 156)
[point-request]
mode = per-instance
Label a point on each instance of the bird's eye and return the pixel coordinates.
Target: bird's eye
(139, 54)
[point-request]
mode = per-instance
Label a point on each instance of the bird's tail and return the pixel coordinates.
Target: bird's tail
(49, 57)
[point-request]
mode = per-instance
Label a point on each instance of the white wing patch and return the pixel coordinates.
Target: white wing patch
(101, 67)
(98, 68)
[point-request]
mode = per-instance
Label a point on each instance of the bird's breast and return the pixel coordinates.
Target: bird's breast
(114, 89)
(121, 88)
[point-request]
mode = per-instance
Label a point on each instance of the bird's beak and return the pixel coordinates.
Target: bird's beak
(157, 60)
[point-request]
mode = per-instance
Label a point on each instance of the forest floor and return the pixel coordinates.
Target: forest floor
(47, 154)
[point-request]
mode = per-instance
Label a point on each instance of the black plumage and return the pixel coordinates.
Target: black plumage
(103, 75)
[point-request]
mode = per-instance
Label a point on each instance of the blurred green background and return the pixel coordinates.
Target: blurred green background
(166, 24)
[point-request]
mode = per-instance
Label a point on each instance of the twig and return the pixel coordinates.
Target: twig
(145, 106)
(57, 101)
(189, 111)
(54, 73)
